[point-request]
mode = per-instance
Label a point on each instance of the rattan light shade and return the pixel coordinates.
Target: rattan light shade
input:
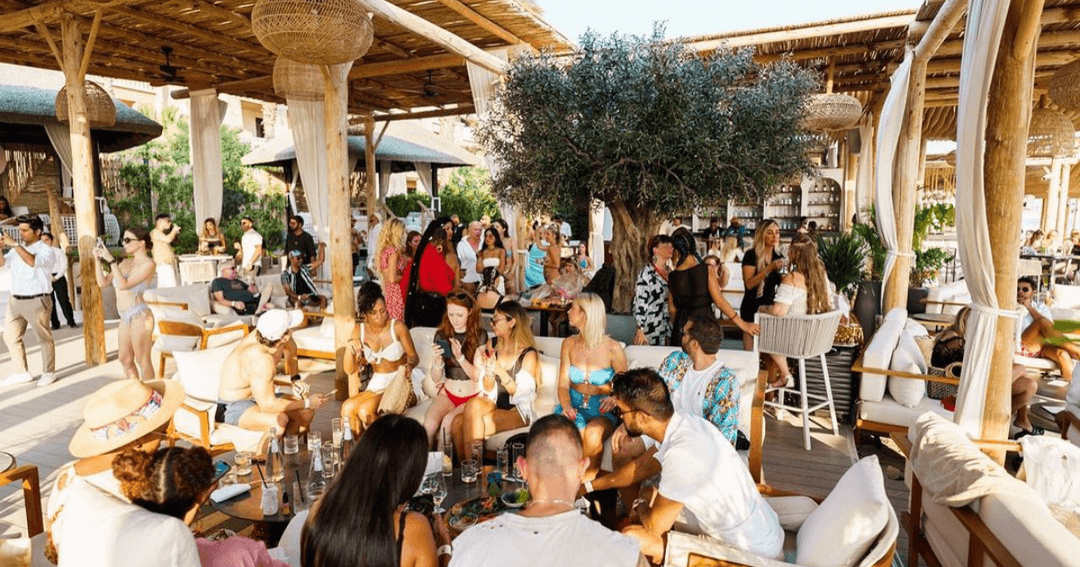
(831, 112)
(100, 108)
(298, 81)
(1065, 86)
(322, 32)
(1050, 134)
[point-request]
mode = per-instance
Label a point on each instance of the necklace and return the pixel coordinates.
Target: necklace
(553, 501)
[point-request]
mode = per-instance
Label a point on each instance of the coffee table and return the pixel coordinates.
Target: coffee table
(461, 495)
(248, 506)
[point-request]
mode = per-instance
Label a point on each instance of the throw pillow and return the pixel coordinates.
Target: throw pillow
(841, 530)
(907, 358)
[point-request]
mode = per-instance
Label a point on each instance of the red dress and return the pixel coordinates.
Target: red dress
(395, 302)
(435, 274)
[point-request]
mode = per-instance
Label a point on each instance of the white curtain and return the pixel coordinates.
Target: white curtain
(888, 137)
(206, 154)
(60, 137)
(384, 178)
(985, 21)
(307, 122)
(864, 172)
(423, 171)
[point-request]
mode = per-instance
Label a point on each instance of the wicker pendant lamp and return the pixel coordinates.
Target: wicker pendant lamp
(321, 32)
(831, 112)
(298, 81)
(1050, 133)
(100, 108)
(1065, 86)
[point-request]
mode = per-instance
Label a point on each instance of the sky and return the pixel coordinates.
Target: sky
(701, 17)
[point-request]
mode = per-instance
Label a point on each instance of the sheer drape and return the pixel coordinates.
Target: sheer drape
(385, 168)
(307, 122)
(888, 137)
(206, 172)
(864, 172)
(985, 21)
(60, 137)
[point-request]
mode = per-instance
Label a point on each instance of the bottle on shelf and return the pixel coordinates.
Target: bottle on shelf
(275, 469)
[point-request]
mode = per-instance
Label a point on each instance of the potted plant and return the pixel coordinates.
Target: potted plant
(844, 256)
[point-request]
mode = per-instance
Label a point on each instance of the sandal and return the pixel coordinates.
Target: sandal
(786, 382)
(1035, 430)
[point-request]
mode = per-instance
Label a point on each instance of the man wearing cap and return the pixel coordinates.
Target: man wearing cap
(89, 522)
(31, 300)
(238, 295)
(246, 395)
(298, 283)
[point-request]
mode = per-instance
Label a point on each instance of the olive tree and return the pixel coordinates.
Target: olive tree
(648, 128)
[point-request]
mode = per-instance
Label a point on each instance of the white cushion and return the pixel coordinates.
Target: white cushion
(550, 346)
(890, 412)
(181, 316)
(792, 510)
(879, 353)
(175, 343)
(200, 371)
(840, 531)
(225, 338)
(648, 356)
(907, 358)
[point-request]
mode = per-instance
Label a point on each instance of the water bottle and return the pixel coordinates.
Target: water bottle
(275, 469)
(316, 484)
(346, 443)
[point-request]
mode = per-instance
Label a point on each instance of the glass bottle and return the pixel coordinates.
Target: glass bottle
(316, 483)
(275, 469)
(346, 443)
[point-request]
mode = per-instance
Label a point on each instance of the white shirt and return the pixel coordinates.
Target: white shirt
(248, 242)
(467, 258)
(102, 530)
(702, 471)
(373, 245)
(568, 538)
(36, 279)
(1028, 319)
(60, 266)
(689, 397)
(564, 230)
(793, 297)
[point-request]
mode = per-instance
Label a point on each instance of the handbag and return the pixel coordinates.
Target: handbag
(398, 395)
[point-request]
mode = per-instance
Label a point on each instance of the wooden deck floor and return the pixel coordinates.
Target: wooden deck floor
(37, 423)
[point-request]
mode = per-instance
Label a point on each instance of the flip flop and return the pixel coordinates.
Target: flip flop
(1035, 430)
(786, 382)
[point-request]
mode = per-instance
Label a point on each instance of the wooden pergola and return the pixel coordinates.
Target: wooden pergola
(419, 48)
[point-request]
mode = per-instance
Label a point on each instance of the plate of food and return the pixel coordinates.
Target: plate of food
(461, 521)
(515, 498)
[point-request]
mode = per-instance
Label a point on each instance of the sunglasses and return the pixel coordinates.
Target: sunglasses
(460, 295)
(619, 413)
(1024, 289)
(499, 319)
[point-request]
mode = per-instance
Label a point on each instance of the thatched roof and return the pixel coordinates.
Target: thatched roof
(23, 110)
(213, 43)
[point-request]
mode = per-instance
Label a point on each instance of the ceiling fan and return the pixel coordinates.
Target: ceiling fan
(429, 91)
(170, 74)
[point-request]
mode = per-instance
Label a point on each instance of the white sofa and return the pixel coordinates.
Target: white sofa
(964, 505)
(165, 302)
(948, 298)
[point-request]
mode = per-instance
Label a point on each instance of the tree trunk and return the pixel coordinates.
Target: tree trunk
(631, 229)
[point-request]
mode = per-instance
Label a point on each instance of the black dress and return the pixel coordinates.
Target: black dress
(690, 292)
(750, 300)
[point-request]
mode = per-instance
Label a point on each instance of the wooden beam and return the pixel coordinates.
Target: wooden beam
(829, 52)
(436, 35)
(453, 111)
(90, 43)
(193, 32)
(392, 48)
(233, 63)
(50, 12)
(237, 20)
(809, 31)
(370, 177)
(478, 19)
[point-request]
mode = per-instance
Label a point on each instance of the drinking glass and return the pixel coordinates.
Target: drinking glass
(468, 471)
(292, 444)
(477, 451)
(330, 459)
(336, 431)
(502, 460)
(438, 492)
(242, 461)
(448, 454)
(517, 450)
(314, 439)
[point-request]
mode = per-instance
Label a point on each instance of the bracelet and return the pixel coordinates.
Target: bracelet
(588, 486)
(444, 550)
(307, 403)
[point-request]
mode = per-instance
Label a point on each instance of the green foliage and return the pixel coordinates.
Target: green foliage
(927, 262)
(648, 123)
(843, 256)
(468, 194)
(868, 232)
(402, 205)
(155, 171)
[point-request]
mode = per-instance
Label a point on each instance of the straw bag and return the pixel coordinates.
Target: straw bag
(399, 395)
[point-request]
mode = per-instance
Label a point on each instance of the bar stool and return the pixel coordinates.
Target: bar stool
(801, 337)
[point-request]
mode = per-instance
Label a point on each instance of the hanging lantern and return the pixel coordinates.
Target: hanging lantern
(322, 32)
(100, 108)
(1050, 133)
(1065, 86)
(831, 112)
(298, 81)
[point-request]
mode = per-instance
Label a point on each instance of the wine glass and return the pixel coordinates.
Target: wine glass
(437, 486)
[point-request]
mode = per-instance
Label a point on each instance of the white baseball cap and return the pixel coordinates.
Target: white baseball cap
(275, 323)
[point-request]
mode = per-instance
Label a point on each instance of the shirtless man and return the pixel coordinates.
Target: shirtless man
(246, 396)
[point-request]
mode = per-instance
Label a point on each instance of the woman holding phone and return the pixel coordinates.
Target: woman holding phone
(131, 277)
(452, 376)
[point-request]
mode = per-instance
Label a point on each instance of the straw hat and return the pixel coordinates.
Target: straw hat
(122, 412)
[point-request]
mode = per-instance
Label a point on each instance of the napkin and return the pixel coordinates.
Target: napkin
(226, 492)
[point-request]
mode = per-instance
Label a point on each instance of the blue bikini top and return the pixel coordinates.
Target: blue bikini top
(597, 377)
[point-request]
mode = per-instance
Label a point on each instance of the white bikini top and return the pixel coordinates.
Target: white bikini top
(491, 263)
(392, 352)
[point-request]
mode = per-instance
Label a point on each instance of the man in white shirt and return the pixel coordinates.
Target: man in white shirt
(251, 249)
(374, 228)
(31, 300)
(466, 252)
(1038, 326)
(703, 483)
(564, 227)
(550, 530)
(163, 235)
(60, 297)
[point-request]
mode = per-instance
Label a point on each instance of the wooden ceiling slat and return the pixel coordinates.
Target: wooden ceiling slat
(191, 30)
(478, 19)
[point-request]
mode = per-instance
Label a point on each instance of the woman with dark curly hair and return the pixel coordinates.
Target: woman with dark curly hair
(362, 519)
(380, 341)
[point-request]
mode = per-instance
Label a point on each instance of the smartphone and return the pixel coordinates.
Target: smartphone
(221, 468)
(445, 346)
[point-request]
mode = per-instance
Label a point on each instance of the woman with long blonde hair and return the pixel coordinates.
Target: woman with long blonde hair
(391, 265)
(588, 362)
(805, 290)
(761, 266)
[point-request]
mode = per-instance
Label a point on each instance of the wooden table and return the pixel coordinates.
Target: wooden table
(248, 506)
(545, 315)
(936, 320)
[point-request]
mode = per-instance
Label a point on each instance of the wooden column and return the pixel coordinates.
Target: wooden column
(1066, 182)
(1053, 194)
(1063, 201)
(1008, 112)
(82, 181)
(371, 175)
(337, 159)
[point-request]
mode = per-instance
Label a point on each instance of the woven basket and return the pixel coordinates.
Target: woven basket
(100, 108)
(1065, 86)
(1050, 134)
(322, 32)
(831, 112)
(298, 81)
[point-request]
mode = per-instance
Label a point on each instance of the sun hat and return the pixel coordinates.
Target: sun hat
(274, 323)
(122, 412)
